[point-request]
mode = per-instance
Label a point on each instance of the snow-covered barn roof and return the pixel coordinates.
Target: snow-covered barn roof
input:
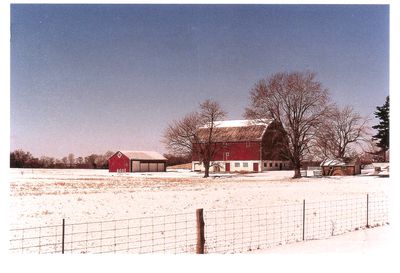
(143, 155)
(235, 130)
(240, 123)
(333, 162)
(338, 162)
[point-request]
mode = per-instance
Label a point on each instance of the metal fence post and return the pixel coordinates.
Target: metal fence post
(304, 218)
(200, 232)
(367, 210)
(63, 236)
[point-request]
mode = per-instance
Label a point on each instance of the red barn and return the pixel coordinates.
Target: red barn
(244, 145)
(137, 161)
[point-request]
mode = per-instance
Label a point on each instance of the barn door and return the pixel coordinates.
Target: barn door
(255, 167)
(135, 166)
(227, 167)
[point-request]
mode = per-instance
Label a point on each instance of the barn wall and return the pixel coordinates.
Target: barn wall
(275, 165)
(235, 166)
(118, 164)
(273, 143)
(341, 170)
(233, 151)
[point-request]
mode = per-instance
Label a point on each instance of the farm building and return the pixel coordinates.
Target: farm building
(340, 167)
(243, 145)
(137, 161)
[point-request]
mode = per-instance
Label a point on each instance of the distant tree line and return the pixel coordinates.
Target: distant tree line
(24, 159)
(173, 160)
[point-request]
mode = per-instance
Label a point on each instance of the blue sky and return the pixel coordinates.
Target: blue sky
(91, 78)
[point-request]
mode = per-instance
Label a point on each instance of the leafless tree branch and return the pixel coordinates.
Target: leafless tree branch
(298, 102)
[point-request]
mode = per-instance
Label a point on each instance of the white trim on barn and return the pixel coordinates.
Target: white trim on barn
(235, 166)
(275, 165)
(243, 165)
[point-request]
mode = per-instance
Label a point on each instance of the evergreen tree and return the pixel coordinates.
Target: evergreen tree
(382, 136)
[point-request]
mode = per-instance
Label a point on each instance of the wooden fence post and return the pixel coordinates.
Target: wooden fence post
(367, 210)
(200, 232)
(63, 236)
(304, 218)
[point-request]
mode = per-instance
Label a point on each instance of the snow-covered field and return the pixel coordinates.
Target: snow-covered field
(366, 241)
(45, 197)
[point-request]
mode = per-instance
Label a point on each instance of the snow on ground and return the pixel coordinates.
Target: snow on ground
(43, 197)
(243, 212)
(366, 241)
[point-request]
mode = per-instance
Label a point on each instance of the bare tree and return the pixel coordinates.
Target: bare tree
(108, 154)
(343, 130)
(71, 159)
(369, 152)
(296, 100)
(182, 138)
(91, 161)
(206, 148)
(64, 161)
(180, 134)
(79, 161)
(20, 159)
(47, 162)
(101, 160)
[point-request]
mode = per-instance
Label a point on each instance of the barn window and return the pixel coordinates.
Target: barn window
(270, 164)
(276, 164)
(245, 164)
(237, 164)
(265, 164)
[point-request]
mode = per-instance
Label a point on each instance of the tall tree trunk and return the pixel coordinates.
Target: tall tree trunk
(297, 167)
(297, 173)
(206, 169)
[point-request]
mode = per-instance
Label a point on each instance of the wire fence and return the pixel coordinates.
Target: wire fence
(233, 231)
(175, 233)
(225, 231)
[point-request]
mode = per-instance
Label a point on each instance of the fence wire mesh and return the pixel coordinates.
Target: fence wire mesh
(226, 231)
(236, 231)
(46, 239)
(175, 233)
(232, 231)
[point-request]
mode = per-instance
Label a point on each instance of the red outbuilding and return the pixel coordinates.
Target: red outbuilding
(137, 161)
(243, 145)
(341, 167)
